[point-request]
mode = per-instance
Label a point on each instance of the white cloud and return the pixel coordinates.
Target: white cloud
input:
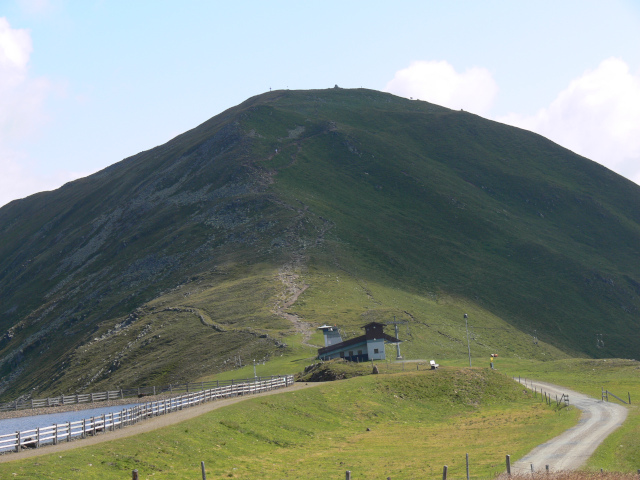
(19, 97)
(597, 116)
(438, 82)
(22, 113)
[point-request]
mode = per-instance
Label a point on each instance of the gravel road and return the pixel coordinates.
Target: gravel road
(572, 449)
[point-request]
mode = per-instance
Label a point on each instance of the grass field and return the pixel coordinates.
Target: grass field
(418, 421)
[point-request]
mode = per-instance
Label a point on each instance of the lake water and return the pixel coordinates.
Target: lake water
(12, 425)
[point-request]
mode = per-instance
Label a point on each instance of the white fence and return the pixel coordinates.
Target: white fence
(54, 434)
(119, 394)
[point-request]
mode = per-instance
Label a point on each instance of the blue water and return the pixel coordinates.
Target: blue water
(12, 425)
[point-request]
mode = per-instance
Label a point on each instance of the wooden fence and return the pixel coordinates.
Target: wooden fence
(56, 433)
(121, 394)
(606, 393)
(544, 396)
(135, 475)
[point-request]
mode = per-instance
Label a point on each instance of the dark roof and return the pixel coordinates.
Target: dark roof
(373, 323)
(341, 345)
(355, 341)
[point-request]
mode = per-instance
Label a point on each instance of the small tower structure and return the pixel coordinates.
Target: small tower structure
(331, 335)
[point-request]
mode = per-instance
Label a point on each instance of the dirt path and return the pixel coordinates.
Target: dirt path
(572, 449)
(147, 425)
(292, 290)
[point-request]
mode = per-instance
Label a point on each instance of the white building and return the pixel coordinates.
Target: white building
(369, 346)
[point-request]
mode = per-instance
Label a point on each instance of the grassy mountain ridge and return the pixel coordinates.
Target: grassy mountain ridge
(488, 206)
(201, 244)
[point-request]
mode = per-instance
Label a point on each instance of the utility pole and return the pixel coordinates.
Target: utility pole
(395, 324)
(466, 325)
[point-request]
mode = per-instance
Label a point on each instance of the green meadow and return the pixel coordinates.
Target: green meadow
(403, 425)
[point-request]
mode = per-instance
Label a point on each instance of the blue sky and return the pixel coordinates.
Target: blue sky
(84, 84)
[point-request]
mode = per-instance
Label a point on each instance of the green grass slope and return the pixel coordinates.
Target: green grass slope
(340, 206)
(433, 200)
(418, 422)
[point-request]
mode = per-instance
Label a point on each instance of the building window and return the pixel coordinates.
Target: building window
(375, 350)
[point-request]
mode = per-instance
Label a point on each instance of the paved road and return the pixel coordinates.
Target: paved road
(572, 449)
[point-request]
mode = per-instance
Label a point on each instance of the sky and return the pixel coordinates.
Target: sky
(87, 83)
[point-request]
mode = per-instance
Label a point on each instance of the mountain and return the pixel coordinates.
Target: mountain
(297, 208)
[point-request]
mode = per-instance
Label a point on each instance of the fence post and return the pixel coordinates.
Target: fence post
(38, 437)
(444, 472)
(55, 433)
(18, 441)
(629, 393)
(532, 468)
(134, 475)
(204, 474)
(547, 468)
(509, 465)
(348, 475)
(467, 466)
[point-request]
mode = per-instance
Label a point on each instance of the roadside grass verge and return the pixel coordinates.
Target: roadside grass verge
(621, 450)
(418, 421)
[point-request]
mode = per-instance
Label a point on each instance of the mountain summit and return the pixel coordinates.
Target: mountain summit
(300, 208)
